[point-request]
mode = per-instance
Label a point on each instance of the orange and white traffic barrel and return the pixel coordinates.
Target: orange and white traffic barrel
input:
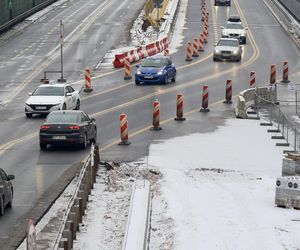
(87, 80)
(189, 52)
(204, 99)
(156, 115)
(252, 80)
(205, 32)
(127, 70)
(179, 108)
(124, 130)
(201, 43)
(272, 74)
(285, 72)
(195, 48)
(228, 92)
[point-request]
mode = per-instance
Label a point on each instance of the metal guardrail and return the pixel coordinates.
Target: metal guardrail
(279, 119)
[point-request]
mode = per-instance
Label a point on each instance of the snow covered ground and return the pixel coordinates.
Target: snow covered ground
(212, 191)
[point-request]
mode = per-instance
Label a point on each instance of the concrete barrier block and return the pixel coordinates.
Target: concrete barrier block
(288, 191)
(290, 167)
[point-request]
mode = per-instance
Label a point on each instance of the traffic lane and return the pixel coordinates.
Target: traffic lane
(36, 173)
(274, 43)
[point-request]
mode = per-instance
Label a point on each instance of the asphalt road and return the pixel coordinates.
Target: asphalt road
(40, 176)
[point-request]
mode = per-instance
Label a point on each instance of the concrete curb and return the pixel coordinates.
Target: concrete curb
(137, 229)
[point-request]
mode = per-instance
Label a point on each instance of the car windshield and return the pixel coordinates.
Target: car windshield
(231, 43)
(234, 26)
(49, 91)
(234, 19)
(62, 118)
(153, 62)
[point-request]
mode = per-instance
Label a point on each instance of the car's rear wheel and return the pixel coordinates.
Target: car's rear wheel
(9, 204)
(43, 146)
(1, 206)
(174, 77)
(28, 115)
(84, 144)
(77, 105)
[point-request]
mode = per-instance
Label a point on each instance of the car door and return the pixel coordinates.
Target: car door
(4, 187)
(170, 69)
(68, 97)
(85, 125)
(90, 126)
(73, 96)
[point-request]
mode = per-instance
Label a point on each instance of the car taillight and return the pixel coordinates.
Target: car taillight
(44, 127)
(74, 127)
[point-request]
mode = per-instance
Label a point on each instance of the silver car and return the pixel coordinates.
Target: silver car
(234, 30)
(228, 48)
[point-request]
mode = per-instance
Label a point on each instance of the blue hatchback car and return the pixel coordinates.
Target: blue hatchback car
(155, 69)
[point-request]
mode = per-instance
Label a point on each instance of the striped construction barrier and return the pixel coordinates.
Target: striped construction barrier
(201, 43)
(127, 71)
(166, 52)
(204, 99)
(228, 92)
(179, 108)
(124, 130)
(156, 115)
(195, 48)
(205, 32)
(285, 72)
(189, 52)
(87, 80)
(252, 81)
(273, 74)
(139, 53)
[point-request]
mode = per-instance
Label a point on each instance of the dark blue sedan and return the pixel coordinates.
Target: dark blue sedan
(155, 69)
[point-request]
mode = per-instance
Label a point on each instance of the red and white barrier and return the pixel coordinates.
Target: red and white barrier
(189, 52)
(179, 108)
(228, 92)
(201, 43)
(205, 99)
(139, 53)
(285, 73)
(195, 48)
(156, 114)
(127, 71)
(273, 74)
(124, 130)
(166, 52)
(87, 80)
(252, 81)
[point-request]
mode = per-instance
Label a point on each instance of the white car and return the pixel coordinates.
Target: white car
(228, 48)
(234, 30)
(48, 97)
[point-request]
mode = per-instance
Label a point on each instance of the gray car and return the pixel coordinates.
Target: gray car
(228, 48)
(6, 191)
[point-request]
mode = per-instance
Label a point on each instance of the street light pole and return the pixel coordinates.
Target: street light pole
(61, 53)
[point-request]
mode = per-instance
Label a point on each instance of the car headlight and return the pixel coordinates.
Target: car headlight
(217, 51)
(55, 104)
(138, 72)
(225, 34)
(160, 72)
(235, 52)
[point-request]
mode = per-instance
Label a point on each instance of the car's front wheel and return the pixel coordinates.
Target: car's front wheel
(137, 82)
(28, 115)
(1, 206)
(11, 201)
(64, 107)
(77, 105)
(174, 77)
(43, 146)
(84, 144)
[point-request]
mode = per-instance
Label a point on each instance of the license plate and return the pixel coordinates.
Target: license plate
(59, 137)
(41, 107)
(148, 77)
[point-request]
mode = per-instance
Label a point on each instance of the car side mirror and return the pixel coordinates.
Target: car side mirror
(10, 177)
(221, 27)
(93, 119)
(29, 94)
(68, 94)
